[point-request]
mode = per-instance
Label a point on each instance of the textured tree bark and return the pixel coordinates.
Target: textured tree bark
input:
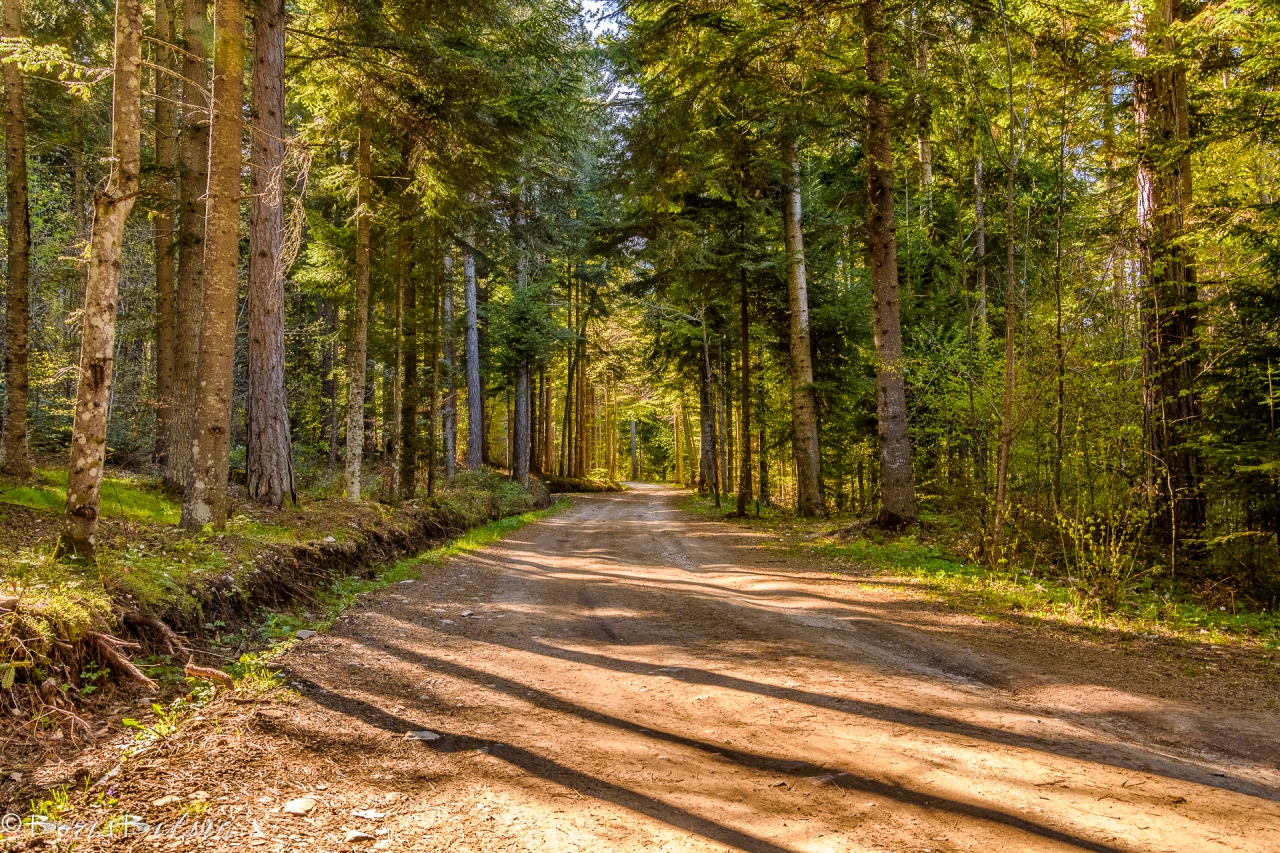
(14, 460)
(164, 223)
(409, 347)
(97, 343)
(475, 400)
(451, 377)
(193, 183)
(270, 472)
(804, 407)
(358, 346)
(205, 501)
(1167, 272)
(744, 476)
(897, 497)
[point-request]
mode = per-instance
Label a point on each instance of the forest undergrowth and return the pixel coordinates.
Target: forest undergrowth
(160, 597)
(1090, 586)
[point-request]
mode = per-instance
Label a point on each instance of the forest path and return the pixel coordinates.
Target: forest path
(634, 678)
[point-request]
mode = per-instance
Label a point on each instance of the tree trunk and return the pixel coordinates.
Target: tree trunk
(635, 460)
(1166, 269)
(358, 345)
(522, 426)
(14, 460)
(394, 401)
(166, 262)
(924, 143)
(97, 346)
(409, 399)
(205, 501)
(269, 469)
(804, 407)
(897, 496)
(1010, 325)
(763, 497)
(980, 227)
(708, 462)
(192, 185)
(451, 376)
(475, 400)
(744, 476)
(433, 432)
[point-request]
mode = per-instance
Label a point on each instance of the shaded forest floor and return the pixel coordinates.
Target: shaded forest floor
(627, 676)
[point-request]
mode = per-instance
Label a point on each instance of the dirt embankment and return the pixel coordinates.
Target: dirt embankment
(169, 595)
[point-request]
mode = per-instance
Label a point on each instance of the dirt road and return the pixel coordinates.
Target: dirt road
(623, 677)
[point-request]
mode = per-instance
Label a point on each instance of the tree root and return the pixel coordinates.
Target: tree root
(107, 646)
(136, 619)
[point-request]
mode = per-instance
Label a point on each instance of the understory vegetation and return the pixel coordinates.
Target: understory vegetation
(1105, 591)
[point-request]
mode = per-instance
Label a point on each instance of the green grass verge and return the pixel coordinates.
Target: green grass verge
(122, 497)
(1162, 609)
(342, 594)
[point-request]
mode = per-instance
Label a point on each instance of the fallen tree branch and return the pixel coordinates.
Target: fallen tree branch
(108, 647)
(137, 619)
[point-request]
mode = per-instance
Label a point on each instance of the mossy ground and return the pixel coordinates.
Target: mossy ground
(146, 563)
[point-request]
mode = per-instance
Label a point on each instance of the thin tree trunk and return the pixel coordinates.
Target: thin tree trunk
(268, 462)
(1059, 352)
(897, 496)
(166, 111)
(744, 476)
(708, 463)
(205, 501)
(409, 401)
(97, 347)
(804, 407)
(14, 460)
(980, 226)
(358, 345)
(1010, 317)
(192, 186)
(451, 377)
(520, 453)
(763, 496)
(676, 436)
(635, 460)
(394, 400)
(924, 143)
(475, 399)
(1166, 269)
(331, 375)
(434, 429)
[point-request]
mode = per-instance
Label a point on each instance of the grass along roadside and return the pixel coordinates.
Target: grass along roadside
(1157, 608)
(283, 625)
(212, 587)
